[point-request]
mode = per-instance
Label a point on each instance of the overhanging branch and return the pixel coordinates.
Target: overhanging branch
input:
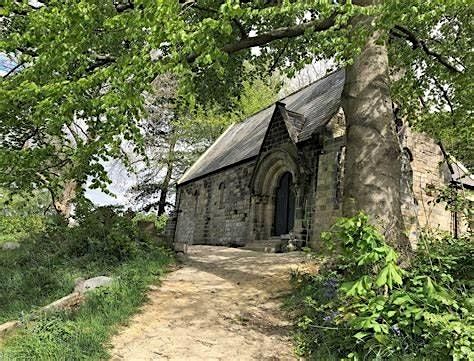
(275, 34)
(280, 33)
(404, 33)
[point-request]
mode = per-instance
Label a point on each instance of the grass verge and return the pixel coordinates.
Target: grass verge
(43, 270)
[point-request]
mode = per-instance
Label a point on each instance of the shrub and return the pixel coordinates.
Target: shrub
(104, 234)
(158, 221)
(363, 306)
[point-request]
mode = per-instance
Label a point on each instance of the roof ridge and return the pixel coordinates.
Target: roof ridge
(293, 93)
(312, 83)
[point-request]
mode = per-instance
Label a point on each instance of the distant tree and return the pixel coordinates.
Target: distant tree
(174, 138)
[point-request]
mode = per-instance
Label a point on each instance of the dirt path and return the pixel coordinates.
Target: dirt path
(223, 304)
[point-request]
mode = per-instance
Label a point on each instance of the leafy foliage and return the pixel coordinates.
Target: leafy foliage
(456, 199)
(159, 222)
(174, 137)
(20, 216)
(85, 67)
(362, 305)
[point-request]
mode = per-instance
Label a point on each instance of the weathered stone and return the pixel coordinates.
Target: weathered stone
(83, 286)
(235, 205)
(8, 326)
(67, 302)
(10, 246)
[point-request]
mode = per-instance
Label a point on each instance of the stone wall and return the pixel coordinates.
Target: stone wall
(215, 209)
(236, 205)
(328, 183)
(429, 168)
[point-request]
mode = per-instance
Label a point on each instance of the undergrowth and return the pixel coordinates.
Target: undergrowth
(363, 306)
(44, 269)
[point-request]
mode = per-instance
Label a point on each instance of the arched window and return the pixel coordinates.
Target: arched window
(221, 195)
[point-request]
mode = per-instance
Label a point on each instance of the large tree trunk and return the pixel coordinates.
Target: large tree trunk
(373, 159)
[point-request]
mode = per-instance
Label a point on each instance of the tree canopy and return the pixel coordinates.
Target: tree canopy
(83, 67)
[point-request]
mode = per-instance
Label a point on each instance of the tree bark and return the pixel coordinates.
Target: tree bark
(167, 180)
(63, 204)
(373, 159)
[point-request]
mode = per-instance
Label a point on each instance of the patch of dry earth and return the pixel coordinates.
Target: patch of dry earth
(223, 304)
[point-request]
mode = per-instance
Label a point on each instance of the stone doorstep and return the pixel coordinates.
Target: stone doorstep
(266, 246)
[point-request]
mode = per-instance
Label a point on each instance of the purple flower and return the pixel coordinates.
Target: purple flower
(331, 316)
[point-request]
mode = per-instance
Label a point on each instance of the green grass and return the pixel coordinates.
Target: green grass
(41, 272)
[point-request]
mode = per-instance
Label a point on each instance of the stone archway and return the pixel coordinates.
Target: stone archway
(265, 181)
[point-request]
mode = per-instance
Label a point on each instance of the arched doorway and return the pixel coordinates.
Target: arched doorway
(284, 218)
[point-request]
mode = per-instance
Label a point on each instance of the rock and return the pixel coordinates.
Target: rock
(67, 302)
(153, 288)
(291, 247)
(180, 256)
(83, 286)
(8, 326)
(10, 245)
(181, 247)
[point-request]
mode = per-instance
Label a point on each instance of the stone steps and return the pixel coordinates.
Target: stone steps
(266, 246)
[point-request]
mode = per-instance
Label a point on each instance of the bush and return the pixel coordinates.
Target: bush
(102, 234)
(363, 306)
(159, 222)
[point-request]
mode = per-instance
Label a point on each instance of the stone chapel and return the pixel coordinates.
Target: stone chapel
(279, 173)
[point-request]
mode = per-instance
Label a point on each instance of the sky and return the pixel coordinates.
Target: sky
(5, 64)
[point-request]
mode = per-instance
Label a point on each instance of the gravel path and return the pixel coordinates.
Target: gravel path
(222, 304)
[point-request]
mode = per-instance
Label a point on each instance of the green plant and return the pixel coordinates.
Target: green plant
(82, 334)
(364, 306)
(105, 233)
(43, 269)
(21, 216)
(158, 221)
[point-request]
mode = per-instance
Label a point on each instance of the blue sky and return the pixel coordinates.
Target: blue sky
(5, 64)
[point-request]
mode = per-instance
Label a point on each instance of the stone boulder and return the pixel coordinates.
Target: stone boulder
(83, 286)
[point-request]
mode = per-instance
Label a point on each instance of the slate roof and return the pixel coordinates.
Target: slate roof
(306, 111)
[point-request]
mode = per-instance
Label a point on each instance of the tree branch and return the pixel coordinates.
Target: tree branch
(421, 44)
(444, 94)
(280, 33)
(100, 61)
(275, 34)
(12, 70)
